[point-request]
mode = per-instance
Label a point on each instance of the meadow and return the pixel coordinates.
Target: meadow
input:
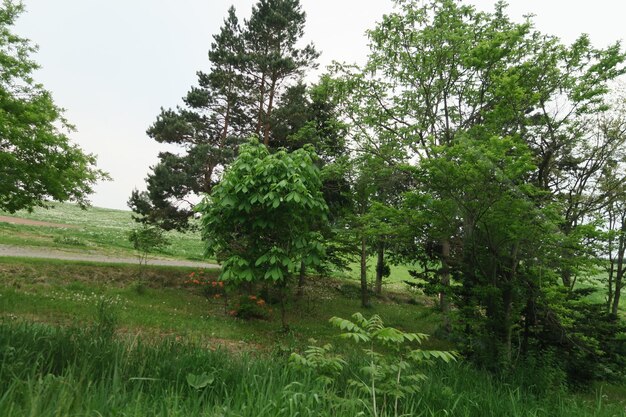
(100, 230)
(84, 338)
(81, 339)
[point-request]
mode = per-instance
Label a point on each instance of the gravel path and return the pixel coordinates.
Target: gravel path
(35, 252)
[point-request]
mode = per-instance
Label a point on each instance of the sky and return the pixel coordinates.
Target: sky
(112, 64)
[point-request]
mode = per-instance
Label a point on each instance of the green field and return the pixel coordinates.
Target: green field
(94, 229)
(54, 362)
(55, 359)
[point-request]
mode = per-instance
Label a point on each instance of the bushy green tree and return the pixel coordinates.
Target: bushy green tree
(38, 162)
(260, 222)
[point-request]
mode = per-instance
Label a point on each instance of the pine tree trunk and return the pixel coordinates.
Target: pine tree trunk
(268, 115)
(259, 124)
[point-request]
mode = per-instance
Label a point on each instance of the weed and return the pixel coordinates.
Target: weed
(106, 319)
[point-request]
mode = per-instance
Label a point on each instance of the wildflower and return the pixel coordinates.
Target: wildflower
(232, 312)
(213, 283)
(192, 275)
(195, 281)
(221, 284)
(260, 303)
(216, 296)
(252, 297)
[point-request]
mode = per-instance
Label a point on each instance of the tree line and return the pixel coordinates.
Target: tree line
(484, 153)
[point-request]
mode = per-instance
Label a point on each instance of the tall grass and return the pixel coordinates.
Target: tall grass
(50, 371)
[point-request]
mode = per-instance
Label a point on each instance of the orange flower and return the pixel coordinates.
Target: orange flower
(216, 296)
(213, 283)
(221, 284)
(195, 281)
(192, 274)
(252, 297)
(260, 303)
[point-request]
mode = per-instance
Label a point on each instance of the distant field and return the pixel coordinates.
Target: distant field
(63, 292)
(93, 229)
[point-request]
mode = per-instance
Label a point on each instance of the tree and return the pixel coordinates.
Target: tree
(260, 221)
(147, 239)
(253, 66)
(37, 160)
(272, 57)
(207, 129)
(496, 117)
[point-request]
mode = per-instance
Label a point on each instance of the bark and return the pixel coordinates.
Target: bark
(301, 279)
(445, 275)
(364, 291)
(268, 113)
(507, 299)
(259, 123)
(619, 274)
(380, 265)
(283, 309)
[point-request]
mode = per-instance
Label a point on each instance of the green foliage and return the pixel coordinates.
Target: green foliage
(392, 371)
(326, 366)
(260, 221)
(37, 160)
(200, 381)
(504, 187)
(250, 307)
(147, 239)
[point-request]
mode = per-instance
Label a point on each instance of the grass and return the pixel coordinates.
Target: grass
(55, 361)
(63, 292)
(100, 230)
(52, 371)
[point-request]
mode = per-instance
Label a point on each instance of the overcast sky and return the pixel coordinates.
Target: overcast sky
(113, 63)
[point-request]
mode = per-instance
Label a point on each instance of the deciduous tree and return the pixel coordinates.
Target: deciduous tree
(38, 162)
(260, 221)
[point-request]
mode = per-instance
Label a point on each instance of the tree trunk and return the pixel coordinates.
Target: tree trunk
(507, 298)
(619, 274)
(380, 266)
(364, 291)
(268, 113)
(259, 124)
(445, 275)
(301, 279)
(283, 309)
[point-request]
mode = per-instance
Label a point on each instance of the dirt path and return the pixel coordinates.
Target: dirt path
(29, 222)
(35, 252)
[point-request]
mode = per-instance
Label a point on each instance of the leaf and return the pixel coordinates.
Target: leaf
(200, 381)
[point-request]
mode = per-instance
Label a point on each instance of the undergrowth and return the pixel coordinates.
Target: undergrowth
(51, 371)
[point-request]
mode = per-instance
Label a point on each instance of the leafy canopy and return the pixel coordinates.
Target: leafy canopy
(260, 221)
